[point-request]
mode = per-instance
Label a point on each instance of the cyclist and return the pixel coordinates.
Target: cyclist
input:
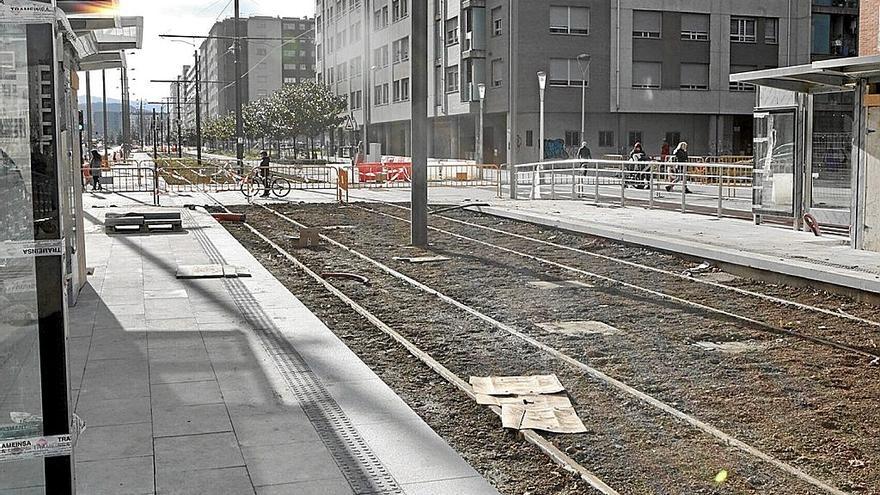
(264, 173)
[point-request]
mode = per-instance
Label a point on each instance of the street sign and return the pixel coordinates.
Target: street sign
(350, 123)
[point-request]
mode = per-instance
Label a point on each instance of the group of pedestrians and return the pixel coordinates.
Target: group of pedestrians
(680, 155)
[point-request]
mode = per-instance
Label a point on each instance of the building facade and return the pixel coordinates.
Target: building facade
(652, 73)
(275, 51)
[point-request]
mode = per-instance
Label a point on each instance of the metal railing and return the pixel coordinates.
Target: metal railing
(721, 189)
(131, 176)
(440, 174)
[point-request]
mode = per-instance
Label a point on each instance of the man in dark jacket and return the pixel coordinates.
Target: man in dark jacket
(264, 173)
(584, 154)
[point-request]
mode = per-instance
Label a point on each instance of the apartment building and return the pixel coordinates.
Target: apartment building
(651, 73)
(275, 51)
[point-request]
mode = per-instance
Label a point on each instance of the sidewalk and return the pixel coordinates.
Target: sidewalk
(229, 386)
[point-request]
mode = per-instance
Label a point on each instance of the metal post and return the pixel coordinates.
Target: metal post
(481, 90)
(179, 132)
(90, 131)
(651, 187)
(239, 126)
(622, 183)
(596, 194)
(512, 76)
(126, 116)
(720, 191)
(583, 57)
(104, 106)
(153, 135)
(574, 194)
(419, 138)
(684, 186)
(536, 184)
(198, 112)
(141, 123)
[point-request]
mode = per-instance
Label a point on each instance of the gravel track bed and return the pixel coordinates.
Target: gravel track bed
(635, 448)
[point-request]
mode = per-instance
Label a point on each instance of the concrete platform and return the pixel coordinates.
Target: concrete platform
(229, 386)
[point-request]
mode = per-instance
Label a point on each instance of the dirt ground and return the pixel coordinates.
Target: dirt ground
(809, 405)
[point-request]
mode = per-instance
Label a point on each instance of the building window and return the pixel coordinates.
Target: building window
(634, 137)
(606, 139)
(452, 31)
(695, 76)
(742, 30)
(380, 18)
(572, 138)
(569, 20)
(356, 100)
(401, 50)
(530, 138)
(673, 138)
(497, 73)
(647, 24)
(452, 79)
(569, 72)
(695, 27)
(497, 22)
(771, 31)
(400, 9)
(401, 89)
(646, 75)
(740, 86)
(385, 94)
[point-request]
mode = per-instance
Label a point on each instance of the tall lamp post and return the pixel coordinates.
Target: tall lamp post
(584, 63)
(536, 184)
(481, 89)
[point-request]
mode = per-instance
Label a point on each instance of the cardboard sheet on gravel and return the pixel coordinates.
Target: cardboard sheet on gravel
(536, 402)
(516, 385)
(211, 271)
(544, 418)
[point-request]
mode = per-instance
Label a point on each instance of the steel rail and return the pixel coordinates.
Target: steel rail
(686, 302)
(723, 437)
(531, 436)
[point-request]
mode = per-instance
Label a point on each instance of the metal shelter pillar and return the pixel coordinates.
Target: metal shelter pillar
(419, 61)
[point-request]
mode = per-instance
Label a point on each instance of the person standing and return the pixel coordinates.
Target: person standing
(95, 170)
(680, 156)
(584, 153)
(664, 151)
(264, 172)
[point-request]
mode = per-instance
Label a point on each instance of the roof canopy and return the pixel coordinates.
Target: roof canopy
(827, 76)
(108, 37)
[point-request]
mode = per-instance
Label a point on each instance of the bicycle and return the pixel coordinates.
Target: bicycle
(252, 183)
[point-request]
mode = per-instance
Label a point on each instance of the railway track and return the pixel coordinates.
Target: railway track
(873, 357)
(594, 373)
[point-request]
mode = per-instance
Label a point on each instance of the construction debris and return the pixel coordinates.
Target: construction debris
(516, 385)
(308, 237)
(580, 328)
(211, 271)
(421, 259)
(350, 276)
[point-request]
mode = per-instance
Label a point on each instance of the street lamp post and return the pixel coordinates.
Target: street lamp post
(584, 62)
(536, 185)
(481, 89)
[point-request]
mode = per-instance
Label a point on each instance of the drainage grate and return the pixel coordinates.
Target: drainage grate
(831, 264)
(360, 466)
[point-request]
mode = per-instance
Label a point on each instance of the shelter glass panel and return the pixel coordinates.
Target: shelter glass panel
(832, 151)
(775, 146)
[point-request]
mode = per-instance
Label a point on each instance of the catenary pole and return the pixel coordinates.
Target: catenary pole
(198, 111)
(179, 133)
(419, 138)
(239, 131)
(104, 107)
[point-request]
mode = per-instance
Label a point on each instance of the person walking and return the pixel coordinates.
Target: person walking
(95, 170)
(680, 156)
(664, 151)
(584, 153)
(264, 173)
(638, 154)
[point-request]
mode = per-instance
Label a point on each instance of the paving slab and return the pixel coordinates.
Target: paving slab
(128, 476)
(223, 481)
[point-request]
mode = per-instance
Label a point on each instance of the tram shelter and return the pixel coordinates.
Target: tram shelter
(816, 148)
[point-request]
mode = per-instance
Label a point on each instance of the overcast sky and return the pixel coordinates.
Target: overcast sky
(163, 59)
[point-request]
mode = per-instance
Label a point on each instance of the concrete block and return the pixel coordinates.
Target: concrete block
(168, 395)
(224, 481)
(110, 412)
(129, 476)
(115, 442)
(190, 420)
(196, 452)
(291, 462)
(322, 487)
